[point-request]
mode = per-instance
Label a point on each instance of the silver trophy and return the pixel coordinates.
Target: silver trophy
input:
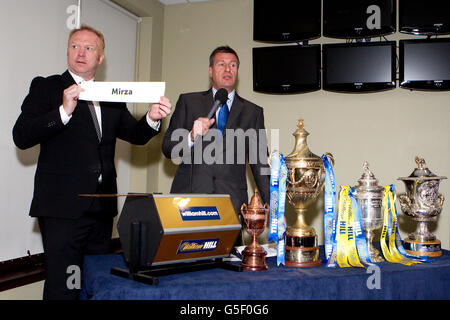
(423, 203)
(370, 196)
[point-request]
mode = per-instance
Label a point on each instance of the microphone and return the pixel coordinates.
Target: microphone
(219, 100)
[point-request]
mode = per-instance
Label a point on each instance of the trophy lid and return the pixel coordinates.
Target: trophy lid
(301, 150)
(255, 202)
(367, 180)
(422, 172)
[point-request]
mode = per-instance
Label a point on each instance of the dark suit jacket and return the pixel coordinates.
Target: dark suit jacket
(230, 176)
(71, 158)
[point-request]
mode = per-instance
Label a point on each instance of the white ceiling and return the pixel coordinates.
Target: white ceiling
(169, 2)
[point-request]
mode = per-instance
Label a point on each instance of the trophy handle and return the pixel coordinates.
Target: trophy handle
(243, 213)
(440, 200)
(330, 158)
(406, 204)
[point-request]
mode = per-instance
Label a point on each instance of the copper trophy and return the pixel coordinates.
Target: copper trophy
(305, 181)
(255, 217)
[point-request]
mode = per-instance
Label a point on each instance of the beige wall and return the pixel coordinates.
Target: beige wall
(31, 291)
(144, 160)
(387, 129)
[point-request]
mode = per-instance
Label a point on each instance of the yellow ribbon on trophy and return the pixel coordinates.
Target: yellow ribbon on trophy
(389, 231)
(347, 253)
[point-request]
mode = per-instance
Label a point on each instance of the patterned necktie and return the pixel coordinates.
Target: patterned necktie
(94, 118)
(222, 118)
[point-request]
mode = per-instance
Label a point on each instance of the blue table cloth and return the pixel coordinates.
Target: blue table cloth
(422, 281)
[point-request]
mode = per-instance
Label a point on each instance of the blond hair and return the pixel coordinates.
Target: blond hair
(90, 29)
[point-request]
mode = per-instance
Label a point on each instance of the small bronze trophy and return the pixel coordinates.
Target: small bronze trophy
(255, 217)
(305, 181)
(423, 203)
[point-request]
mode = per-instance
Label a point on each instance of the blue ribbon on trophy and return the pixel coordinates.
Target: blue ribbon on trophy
(277, 226)
(330, 214)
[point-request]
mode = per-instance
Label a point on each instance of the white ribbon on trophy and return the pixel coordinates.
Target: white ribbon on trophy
(132, 92)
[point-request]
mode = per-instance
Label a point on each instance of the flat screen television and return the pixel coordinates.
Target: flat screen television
(424, 64)
(286, 69)
(286, 20)
(424, 17)
(359, 67)
(359, 18)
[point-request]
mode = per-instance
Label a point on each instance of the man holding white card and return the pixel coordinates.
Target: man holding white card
(77, 146)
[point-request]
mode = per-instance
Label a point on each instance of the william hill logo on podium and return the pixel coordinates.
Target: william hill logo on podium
(190, 246)
(199, 213)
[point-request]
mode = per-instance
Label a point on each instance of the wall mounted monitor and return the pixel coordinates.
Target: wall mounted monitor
(286, 20)
(425, 64)
(424, 17)
(286, 69)
(359, 67)
(359, 18)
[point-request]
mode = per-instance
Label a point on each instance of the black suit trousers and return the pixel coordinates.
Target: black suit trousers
(65, 242)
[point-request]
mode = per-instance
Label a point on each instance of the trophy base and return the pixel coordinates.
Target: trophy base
(254, 259)
(423, 248)
(302, 251)
(316, 263)
(375, 255)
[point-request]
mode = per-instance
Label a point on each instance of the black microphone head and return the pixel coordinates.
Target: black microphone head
(221, 95)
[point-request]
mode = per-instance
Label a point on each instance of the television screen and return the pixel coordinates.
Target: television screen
(286, 69)
(286, 20)
(359, 67)
(424, 17)
(358, 18)
(425, 64)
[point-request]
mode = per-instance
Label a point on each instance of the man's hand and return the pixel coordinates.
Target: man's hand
(70, 98)
(201, 125)
(160, 110)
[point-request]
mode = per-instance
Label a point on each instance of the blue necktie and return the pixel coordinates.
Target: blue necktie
(222, 118)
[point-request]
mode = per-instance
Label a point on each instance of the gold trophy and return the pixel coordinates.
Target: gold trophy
(305, 181)
(255, 217)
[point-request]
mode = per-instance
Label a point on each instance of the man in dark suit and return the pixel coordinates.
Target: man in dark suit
(77, 146)
(219, 155)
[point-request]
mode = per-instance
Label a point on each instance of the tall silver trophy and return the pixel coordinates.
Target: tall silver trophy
(423, 203)
(370, 196)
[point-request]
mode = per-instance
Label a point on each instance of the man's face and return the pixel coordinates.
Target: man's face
(224, 71)
(84, 54)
